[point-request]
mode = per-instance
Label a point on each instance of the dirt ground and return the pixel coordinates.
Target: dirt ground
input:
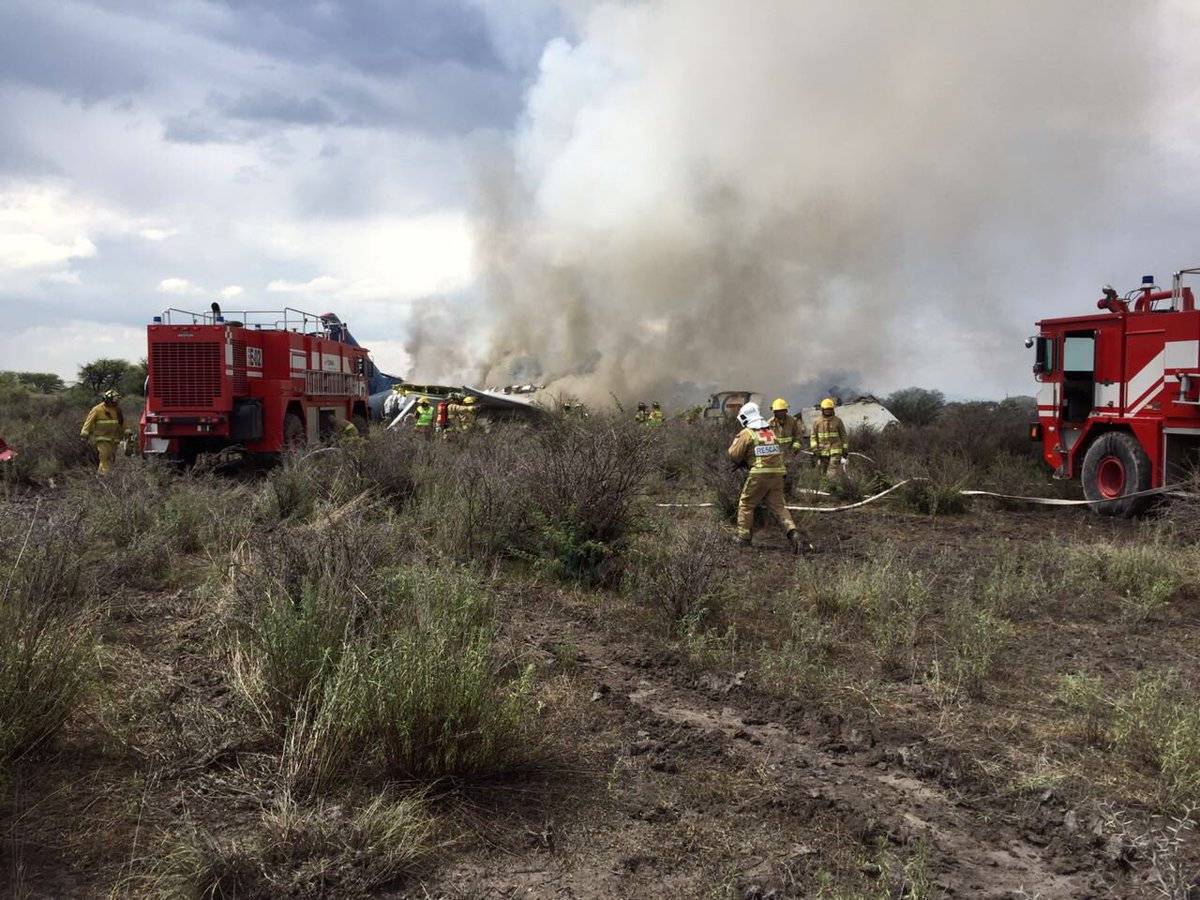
(671, 775)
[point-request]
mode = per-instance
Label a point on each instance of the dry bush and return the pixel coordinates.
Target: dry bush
(563, 496)
(677, 573)
(583, 479)
(47, 647)
(386, 465)
(301, 851)
(44, 429)
(685, 452)
(469, 504)
(149, 517)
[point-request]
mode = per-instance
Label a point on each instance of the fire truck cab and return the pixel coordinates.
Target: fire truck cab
(1119, 393)
(264, 381)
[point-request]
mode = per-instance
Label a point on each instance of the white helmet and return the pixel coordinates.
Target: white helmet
(750, 417)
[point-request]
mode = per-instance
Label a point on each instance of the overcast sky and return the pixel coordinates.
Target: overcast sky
(271, 152)
(325, 154)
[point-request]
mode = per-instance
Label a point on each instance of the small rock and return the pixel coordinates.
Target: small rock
(1071, 822)
(601, 691)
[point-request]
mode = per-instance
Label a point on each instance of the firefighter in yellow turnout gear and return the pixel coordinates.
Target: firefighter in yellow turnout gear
(349, 438)
(462, 415)
(423, 421)
(756, 446)
(105, 427)
(655, 419)
(828, 440)
(789, 432)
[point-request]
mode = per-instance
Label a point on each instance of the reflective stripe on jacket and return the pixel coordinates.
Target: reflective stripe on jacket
(828, 436)
(104, 423)
(759, 450)
(462, 415)
(789, 431)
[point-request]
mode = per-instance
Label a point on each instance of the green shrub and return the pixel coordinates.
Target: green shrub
(845, 586)
(395, 673)
(893, 619)
(433, 705)
(801, 664)
(1144, 576)
(1157, 724)
(975, 638)
(1084, 695)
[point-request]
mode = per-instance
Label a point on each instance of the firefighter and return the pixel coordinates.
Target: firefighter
(756, 448)
(349, 437)
(105, 427)
(655, 419)
(828, 440)
(789, 432)
(423, 422)
(642, 416)
(393, 401)
(462, 415)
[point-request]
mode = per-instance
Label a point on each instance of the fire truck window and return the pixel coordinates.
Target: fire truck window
(1079, 354)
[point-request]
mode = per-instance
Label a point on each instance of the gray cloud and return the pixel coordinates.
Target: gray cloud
(66, 50)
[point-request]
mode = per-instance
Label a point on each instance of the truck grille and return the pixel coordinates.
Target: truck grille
(186, 376)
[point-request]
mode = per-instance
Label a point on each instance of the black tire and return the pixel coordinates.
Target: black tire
(294, 437)
(1115, 465)
(360, 422)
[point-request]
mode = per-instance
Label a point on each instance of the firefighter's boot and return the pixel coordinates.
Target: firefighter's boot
(793, 537)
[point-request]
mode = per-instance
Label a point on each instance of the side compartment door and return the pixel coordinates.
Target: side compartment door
(1108, 368)
(1144, 363)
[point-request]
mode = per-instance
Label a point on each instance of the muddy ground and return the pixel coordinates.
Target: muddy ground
(670, 773)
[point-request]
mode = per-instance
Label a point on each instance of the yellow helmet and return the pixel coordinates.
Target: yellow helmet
(827, 403)
(778, 403)
(469, 401)
(422, 400)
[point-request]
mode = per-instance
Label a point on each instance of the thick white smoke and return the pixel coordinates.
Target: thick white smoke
(722, 192)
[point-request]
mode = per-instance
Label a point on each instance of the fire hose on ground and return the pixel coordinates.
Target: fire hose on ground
(1172, 490)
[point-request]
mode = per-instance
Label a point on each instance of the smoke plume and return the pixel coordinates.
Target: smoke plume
(750, 194)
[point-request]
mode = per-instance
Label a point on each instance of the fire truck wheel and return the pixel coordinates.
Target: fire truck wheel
(1115, 465)
(293, 433)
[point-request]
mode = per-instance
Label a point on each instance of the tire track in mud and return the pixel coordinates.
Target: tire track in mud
(971, 857)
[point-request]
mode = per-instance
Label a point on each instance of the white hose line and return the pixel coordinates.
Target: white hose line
(852, 505)
(1171, 490)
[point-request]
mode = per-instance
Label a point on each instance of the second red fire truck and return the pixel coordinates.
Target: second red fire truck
(1119, 393)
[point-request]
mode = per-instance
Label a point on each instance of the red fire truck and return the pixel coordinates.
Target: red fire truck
(261, 381)
(1119, 395)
